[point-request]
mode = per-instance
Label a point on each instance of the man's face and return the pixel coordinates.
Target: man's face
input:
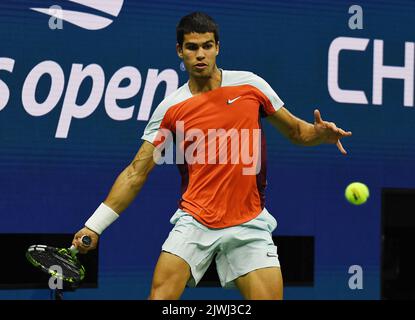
(199, 53)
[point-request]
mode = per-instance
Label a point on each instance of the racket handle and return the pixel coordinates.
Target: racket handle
(86, 241)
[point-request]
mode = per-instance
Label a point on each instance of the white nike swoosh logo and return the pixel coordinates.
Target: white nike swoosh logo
(233, 100)
(86, 20)
(112, 7)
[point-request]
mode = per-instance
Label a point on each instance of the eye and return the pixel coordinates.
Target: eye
(192, 47)
(207, 46)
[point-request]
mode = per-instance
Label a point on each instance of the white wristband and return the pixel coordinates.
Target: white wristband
(101, 218)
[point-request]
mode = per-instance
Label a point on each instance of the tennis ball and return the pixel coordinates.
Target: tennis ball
(357, 193)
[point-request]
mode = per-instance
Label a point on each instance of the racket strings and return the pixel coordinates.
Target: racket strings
(69, 265)
(47, 259)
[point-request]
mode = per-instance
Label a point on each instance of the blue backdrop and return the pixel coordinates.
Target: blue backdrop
(67, 128)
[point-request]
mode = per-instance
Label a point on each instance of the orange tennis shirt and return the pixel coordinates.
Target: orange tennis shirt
(221, 144)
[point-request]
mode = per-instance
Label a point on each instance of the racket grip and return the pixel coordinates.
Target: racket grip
(86, 241)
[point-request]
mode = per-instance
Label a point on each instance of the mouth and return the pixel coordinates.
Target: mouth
(200, 66)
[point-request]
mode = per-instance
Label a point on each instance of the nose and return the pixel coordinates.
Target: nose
(200, 54)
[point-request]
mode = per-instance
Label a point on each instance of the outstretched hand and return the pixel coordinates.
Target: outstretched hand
(329, 132)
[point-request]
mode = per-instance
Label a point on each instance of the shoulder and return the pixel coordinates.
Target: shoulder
(237, 78)
(264, 90)
(180, 95)
(160, 114)
(176, 97)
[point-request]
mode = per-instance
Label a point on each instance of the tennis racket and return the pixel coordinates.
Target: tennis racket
(47, 258)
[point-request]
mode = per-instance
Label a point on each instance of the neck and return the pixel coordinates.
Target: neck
(200, 85)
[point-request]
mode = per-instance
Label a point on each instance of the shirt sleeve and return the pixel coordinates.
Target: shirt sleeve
(159, 120)
(270, 101)
(162, 120)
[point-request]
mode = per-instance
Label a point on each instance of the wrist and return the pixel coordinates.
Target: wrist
(101, 219)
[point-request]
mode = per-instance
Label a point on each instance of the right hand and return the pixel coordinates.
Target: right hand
(78, 243)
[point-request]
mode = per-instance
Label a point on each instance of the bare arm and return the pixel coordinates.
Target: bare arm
(131, 180)
(124, 190)
(303, 133)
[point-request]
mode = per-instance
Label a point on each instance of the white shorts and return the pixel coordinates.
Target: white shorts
(239, 249)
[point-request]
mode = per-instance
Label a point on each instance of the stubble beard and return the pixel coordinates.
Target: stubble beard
(206, 74)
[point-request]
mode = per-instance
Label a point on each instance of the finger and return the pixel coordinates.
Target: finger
(340, 147)
(82, 250)
(74, 240)
(344, 133)
(80, 244)
(317, 116)
(84, 246)
(341, 133)
(333, 127)
(77, 243)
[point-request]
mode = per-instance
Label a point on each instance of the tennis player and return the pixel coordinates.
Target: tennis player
(222, 213)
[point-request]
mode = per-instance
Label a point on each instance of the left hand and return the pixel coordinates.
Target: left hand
(329, 132)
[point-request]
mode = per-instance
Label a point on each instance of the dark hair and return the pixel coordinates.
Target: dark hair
(198, 22)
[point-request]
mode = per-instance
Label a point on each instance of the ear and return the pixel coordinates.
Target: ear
(179, 51)
(217, 48)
